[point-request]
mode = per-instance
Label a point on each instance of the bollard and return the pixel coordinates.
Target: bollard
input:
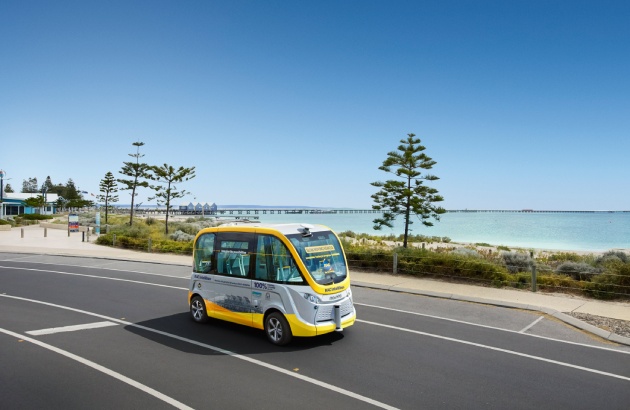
(149, 250)
(395, 263)
(114, 240)
(83, 236)
(534, 287)
(45, 232)
(22, 233)
(88, 233)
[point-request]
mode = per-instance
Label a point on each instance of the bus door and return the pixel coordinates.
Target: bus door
(274, 269)
(233, 285)
(204, 268)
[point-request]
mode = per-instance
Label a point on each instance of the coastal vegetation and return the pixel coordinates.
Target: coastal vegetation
(407, 196)
(606, 276)
(148, 234)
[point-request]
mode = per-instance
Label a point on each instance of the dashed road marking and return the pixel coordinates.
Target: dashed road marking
(526, 328)
(72, 328)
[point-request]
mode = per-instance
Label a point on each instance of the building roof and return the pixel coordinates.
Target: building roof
(21, 196)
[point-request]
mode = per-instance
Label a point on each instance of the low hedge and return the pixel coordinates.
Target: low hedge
(35, 217)
(142, 244)
(610, 279)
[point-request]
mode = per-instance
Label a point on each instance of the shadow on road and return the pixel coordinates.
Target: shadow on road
(220, 334)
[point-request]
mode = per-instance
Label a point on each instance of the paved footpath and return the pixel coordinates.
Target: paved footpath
(37, 240)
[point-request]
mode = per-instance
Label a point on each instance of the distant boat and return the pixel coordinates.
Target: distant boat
(293, 212)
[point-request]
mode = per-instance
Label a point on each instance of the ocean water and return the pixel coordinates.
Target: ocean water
(598, 231)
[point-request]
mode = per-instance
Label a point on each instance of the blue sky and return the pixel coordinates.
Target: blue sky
(523, 104)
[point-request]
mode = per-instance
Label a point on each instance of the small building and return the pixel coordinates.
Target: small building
(13, 204)
(198, 207)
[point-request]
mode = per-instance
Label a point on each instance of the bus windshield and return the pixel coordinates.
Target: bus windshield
(322, 256)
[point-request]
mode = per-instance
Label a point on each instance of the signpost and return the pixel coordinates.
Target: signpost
(97, 228)
(1, 194)
(73, 223)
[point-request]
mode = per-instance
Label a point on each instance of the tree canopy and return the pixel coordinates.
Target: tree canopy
(407, 195)
(137, 173)
(108, 187)
(168, 175)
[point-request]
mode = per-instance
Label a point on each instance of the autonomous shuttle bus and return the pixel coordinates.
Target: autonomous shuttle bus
(288, 279)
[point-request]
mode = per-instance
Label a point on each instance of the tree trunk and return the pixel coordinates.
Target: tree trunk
(407, 212)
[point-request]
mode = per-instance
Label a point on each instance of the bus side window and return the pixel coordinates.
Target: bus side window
(204, 247)
(233, 258)
(274, 261)
(263, 259)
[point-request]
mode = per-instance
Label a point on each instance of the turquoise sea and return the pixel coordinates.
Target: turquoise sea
(598, 231)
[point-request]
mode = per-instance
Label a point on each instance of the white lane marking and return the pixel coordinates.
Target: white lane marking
(72, 328)
(95, 277)
(498, 349)
(494, 328)
(102, 369)
(99, 267)
(220, 350)
(20, 259)
(358, 304)
(526, 328)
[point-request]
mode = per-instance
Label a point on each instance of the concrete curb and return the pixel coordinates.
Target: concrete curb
(563, 317)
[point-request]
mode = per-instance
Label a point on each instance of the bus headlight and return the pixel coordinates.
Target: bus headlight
(311, 298)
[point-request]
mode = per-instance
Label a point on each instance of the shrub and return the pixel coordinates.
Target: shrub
(35, 217)
(577, 270)
(180, 236)
(137, 230)
(503, 248)
(183, 248)
(348, 234)
(565, 257)
(516, 261)
(3, 222)
(613, 283)
(612, 256)
(466, 252)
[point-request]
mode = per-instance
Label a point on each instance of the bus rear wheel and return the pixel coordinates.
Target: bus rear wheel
(277, 329)
(198, 309)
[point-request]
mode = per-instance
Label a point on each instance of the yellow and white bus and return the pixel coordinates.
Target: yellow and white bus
(288, 279)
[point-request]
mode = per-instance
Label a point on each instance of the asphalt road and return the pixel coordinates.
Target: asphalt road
(134, 346)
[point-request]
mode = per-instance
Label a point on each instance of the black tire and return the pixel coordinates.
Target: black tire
(198, 309)
(277, 329)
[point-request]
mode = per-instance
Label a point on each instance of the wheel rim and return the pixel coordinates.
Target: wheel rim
(275, 329)
(197, 309)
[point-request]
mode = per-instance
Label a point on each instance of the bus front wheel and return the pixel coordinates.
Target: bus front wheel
(198, 309)
(277, 329)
